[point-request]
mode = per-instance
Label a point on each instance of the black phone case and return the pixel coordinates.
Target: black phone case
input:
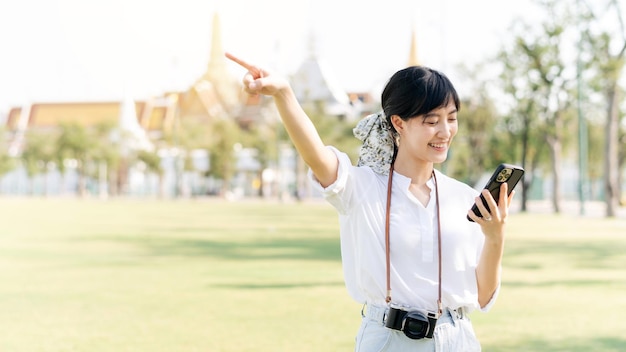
(511, 174)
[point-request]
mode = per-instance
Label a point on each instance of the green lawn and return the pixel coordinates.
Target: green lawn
(205, 275)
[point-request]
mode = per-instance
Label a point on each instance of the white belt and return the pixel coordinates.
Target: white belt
(378, 313)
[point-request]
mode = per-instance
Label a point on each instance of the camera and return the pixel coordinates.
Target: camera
(415, 324)
(504, 175)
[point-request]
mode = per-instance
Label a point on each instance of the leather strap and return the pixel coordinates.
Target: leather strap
(388, 260)
(387, 246)
(439, 304)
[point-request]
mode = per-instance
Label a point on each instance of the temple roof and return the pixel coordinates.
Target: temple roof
(314, 81)
(216, 93)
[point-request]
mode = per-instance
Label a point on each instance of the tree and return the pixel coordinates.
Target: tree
(105, 157)
(608, 61)
(522, 118)
(7, 163)
(473, 152)
(622, 161)
(38, 153)
(152, 161)
(75, 143)
(538, 83)
(595, 138)
(265, 139)
(186, 136)
(222, 152)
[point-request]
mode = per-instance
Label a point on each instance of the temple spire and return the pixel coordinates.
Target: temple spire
(222, 85)
(217, 63)
(413, 57)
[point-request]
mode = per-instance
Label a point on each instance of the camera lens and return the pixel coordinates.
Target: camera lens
(504, 175)
(415, 325)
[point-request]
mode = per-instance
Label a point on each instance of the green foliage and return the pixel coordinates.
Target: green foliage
(152, 160)
(7, 163)
(90, 147)
(74, 142)
(622, 148)
(191, 134)
(473, 151)
(265, 139)
(539, 88)
(607, 68)
(104, 149)
(38, 152)
(224, 136)
(595, 132)
(335, 131)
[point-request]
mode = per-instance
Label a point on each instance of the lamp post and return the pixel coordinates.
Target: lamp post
(582, 126)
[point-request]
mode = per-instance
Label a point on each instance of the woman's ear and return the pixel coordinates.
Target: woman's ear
(398, 123)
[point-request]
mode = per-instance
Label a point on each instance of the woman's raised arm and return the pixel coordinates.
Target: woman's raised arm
(306, 139)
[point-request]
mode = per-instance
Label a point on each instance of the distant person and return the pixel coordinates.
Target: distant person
(409, 253)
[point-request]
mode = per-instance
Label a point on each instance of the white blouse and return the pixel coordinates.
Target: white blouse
(360, 195)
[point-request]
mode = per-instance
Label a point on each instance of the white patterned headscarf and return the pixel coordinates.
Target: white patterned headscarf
(378, 142)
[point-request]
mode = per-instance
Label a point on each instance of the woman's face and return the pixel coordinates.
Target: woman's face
(427, 138)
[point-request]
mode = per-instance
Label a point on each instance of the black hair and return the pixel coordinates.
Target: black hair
(417, 90)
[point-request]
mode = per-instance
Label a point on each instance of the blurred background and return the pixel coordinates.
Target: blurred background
(135, 98)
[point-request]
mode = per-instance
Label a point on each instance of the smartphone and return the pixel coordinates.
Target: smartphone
(511, 174)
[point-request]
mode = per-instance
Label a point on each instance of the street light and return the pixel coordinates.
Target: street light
(582, 126)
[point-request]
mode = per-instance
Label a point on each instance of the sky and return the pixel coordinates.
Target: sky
(99, 50)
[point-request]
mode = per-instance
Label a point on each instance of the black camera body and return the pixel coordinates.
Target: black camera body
(415, 324)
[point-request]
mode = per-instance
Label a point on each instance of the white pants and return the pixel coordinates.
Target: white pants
(453, 333)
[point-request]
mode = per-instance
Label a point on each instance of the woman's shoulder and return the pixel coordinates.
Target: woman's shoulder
(369, 178)
(358, 176)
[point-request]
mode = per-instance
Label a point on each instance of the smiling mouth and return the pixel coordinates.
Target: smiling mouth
(438, 145)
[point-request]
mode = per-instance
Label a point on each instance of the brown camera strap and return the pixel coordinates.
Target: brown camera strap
(387, 220)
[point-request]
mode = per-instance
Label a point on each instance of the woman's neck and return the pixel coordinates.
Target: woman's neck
(419, 173)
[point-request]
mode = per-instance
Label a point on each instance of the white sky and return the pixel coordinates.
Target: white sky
(76, 50)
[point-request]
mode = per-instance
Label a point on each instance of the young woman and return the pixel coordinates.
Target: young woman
(409, 253)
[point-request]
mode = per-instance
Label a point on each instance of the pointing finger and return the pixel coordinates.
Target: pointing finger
(253, 69)
(239, 61)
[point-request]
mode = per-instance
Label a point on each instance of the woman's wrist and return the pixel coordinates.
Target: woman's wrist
(284, 92)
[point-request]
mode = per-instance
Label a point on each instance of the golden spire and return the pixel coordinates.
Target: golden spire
(413, 58)
(217, 63)
(217, 82)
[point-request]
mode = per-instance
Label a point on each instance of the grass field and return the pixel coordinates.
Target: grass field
(204, 275)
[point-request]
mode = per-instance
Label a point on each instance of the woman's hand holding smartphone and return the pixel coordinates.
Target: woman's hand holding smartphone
(511, 174)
